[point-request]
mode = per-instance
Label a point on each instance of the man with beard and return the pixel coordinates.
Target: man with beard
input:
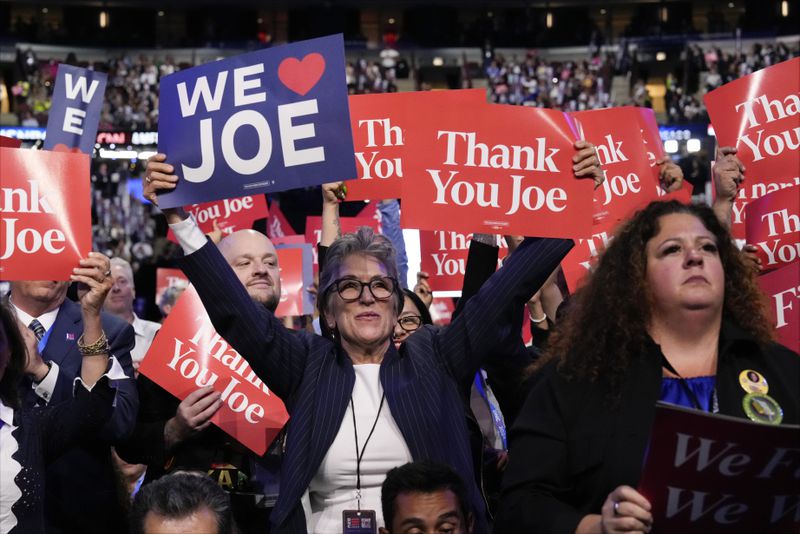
(172, 435)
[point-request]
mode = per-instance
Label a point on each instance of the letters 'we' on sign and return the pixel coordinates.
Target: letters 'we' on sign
(269, 120)
(75, 111)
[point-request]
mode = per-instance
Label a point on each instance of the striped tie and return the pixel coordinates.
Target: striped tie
(38, 329)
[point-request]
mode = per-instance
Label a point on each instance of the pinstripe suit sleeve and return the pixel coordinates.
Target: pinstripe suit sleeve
(486, 325)
(277, 355)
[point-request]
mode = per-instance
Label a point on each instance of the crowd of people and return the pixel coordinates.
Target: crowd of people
(394, 423)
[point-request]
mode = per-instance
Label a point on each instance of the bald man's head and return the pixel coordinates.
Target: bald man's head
(255, 262)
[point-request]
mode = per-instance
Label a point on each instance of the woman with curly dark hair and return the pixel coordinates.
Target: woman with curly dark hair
(671, 313)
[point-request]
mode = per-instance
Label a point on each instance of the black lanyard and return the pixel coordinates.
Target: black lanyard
(714, 400)
(360, 456)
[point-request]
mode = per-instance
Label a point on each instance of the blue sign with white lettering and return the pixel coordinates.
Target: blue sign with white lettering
(75, 112)
(269, 120)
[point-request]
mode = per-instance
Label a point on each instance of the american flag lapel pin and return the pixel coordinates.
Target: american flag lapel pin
(70, 336)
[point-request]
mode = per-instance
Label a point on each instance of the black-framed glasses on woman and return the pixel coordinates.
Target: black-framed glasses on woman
(410, 323)
(351, 289)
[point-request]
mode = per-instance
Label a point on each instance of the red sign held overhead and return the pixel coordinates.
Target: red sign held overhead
(628, 186)
(773, 226)
(655, 151)
(782, 288)
(10, 142)
(296, 278)
(45, 216)
(379, 124)
(759, 114)
(231, 214)
(494, 169)
(444, 257)
(188, 354)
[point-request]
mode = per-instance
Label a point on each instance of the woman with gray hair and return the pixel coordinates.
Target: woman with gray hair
(358, 405)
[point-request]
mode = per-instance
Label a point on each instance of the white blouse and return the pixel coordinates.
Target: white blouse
(333, 488)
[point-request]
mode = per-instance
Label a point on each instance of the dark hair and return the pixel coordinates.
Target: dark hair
(177, 496)
(363, 241)
(13, 345)
(423, 476)
(424, 312)
(591, 342)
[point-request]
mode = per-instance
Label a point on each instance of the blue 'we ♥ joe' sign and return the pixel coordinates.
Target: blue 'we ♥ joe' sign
(269, 120)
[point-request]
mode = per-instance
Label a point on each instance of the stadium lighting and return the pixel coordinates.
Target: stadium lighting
(549, 20)
(603, 11)
(160, 13)
(785, 8)
(118, 154)
(693, 145)
(104, 19)
(391, 20)
(438, 62)
(661, 56)
(664, 14)
(670, 146)
(45, 10)
(146, 154)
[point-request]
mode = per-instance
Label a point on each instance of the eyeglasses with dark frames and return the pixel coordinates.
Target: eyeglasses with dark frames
(410, 323)
(351, 289)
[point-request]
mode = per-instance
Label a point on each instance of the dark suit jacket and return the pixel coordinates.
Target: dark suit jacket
(424, 383)
(569, 450)
(83, 478)
(43, 433)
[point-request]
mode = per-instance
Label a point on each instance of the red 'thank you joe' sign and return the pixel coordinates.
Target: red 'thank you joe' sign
(773, 225)
(45, 217)
(617, 136)
(231, 214)
(443, 255)
(494, 169)
(759, 114)
(782, 288)
(379, 129)
(188, 354)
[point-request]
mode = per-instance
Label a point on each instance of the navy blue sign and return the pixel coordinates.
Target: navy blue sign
(75, 111)
(269, 120)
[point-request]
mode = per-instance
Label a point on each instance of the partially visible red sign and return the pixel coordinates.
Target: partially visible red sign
(347, 225)
(442, 309)
(295, 264)
(582, 259)
(443, 256)
(629, 183)
(655, 151)
(188, 354)
(277, 224)
(494, 169)
(782, 288)
(288, 240)
(166, 278)
(715, 473)
(10, 142)
(379, 128)
(759, 114)
(773, 226)
(231, 214)
(45, 215)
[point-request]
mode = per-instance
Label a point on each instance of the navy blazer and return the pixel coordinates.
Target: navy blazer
(83, 476)
(426, 383)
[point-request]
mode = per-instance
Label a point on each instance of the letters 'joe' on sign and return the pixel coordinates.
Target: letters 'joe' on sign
(493, 169)
(269, 120)
(75, 111)
(188, 354)
(45, 215)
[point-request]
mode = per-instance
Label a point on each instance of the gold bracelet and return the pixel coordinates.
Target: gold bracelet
(98, 347)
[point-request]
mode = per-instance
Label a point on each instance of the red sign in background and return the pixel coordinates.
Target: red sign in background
(655, 151)
(443, 256)
(379, 129)
(773, 226)
(494, 169)
(45, 216)
(166, 277)
(782, 288)
(231, 214)
(188, 354)
(629, 184)
(714, 473)
(295, 280)
(759, 114)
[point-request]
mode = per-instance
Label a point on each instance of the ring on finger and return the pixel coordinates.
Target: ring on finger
(107, 273)
(616, 507)
(147, 179)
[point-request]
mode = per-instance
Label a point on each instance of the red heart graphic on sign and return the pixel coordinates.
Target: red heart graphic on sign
(301, 75)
